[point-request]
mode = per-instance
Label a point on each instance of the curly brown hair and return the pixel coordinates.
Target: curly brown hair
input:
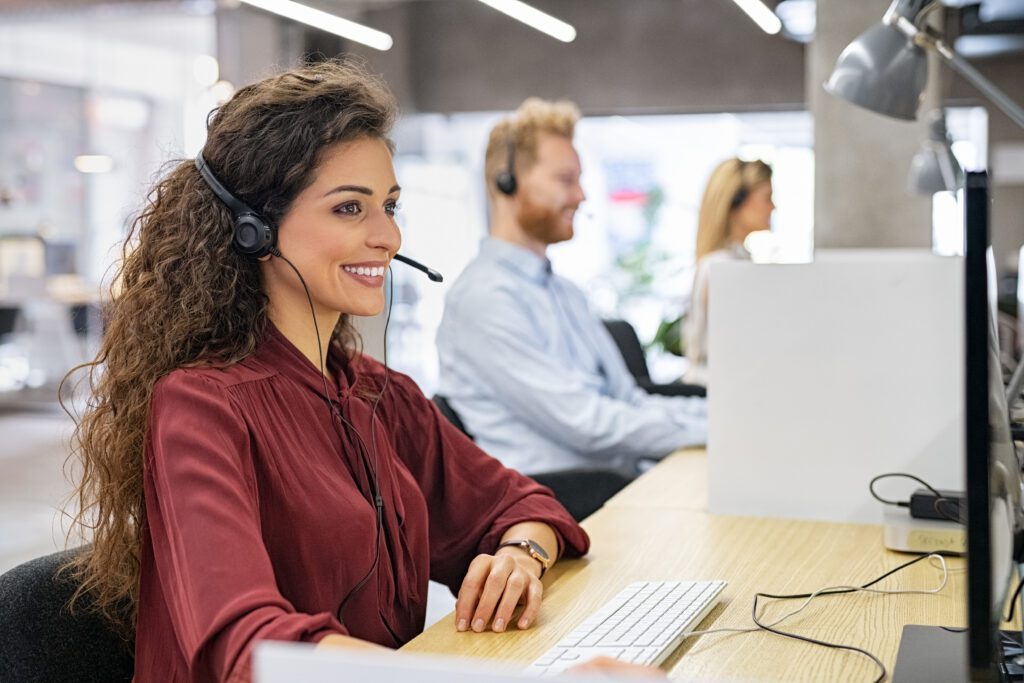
(182, 296)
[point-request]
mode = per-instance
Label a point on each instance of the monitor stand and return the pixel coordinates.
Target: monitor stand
(931, 653)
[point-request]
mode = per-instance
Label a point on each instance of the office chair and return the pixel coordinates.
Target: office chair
(43, 642)
(582, 492)
(636, 362)
(446, 409)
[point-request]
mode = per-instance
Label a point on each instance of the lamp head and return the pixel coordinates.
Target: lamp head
(934, 168)
(883, 71)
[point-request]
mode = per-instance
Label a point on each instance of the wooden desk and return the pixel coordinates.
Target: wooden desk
(651, 531)
(679, 482)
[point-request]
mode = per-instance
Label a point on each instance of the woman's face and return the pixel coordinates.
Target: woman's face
(340, 233)
(755, 213)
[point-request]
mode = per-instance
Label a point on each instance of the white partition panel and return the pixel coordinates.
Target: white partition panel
(826, 374)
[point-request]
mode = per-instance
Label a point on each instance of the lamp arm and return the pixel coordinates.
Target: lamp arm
(987, 87)
(932, 41)
(948, 174)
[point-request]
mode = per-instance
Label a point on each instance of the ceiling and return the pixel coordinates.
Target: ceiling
(986, 27)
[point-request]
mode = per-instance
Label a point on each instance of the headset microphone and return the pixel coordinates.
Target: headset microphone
(431, 273)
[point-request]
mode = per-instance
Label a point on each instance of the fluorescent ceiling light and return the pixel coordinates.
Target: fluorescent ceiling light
(533, 17)
(326, 22)
(94, 163)
(762, 16)
(206, 70)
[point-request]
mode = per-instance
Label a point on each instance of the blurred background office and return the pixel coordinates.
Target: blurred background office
(95, 95)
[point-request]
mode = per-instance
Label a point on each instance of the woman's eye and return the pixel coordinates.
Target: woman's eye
(348, 209)
(391, 208)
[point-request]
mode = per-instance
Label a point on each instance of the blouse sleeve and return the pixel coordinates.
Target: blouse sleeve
(203, 517)
(472, 499)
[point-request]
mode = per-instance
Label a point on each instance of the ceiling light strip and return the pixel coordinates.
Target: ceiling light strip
(533, 17)
(761, 14)
(326, 22)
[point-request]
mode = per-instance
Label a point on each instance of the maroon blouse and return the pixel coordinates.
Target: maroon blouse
(259, 518)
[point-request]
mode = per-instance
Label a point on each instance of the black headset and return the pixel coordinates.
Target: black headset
(505, 181)
(256, 237)
(253, 235)
(744, 191)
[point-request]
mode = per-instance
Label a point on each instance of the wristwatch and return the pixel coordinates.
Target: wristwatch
(534, 549)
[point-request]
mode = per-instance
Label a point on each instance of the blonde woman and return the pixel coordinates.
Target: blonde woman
(737, 202)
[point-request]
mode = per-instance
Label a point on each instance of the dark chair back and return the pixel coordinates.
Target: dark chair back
(41, 641)
(630, 347)
(446, 409)
(636, 362)
(582, 491)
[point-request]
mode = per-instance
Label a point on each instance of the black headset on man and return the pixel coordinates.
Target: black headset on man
(255, 237)
(506, 181)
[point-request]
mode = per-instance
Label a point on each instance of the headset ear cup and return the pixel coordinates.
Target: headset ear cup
(506, 183)
(738, 198)
(253, 237)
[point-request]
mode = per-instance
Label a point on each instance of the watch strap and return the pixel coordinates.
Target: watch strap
(527, 545)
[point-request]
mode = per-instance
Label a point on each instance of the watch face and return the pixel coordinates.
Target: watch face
(535, 547)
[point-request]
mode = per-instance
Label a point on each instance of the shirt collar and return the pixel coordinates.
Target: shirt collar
(519, 259)
(277, 352)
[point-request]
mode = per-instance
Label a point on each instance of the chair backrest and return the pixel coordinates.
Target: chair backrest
(630, 347)
(446, 409)
(582, 491)
(44, 642)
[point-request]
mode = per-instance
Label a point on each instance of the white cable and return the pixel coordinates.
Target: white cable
(853, 589)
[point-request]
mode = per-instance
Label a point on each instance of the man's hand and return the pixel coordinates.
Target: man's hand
(494, 586)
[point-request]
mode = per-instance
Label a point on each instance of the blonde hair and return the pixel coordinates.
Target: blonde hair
(728, 185)
(522, 130)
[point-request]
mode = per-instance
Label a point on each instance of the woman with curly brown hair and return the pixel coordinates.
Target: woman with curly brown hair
(236, 484)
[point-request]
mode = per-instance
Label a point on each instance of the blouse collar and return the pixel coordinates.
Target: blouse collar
(278, 352)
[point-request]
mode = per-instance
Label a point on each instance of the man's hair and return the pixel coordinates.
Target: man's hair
(522, 130)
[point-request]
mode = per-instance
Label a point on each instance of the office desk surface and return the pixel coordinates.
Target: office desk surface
(680, 481)
(648, 542)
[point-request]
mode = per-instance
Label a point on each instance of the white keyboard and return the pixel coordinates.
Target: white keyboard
(643, 624)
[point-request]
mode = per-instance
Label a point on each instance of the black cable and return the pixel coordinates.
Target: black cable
(1013, 600)
(837, 591)
(940, 500)
(378, 501)
(901, 503)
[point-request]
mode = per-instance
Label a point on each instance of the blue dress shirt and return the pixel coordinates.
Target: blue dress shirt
(537, 379)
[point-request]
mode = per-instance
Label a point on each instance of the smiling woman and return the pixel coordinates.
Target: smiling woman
(239, 483)
(340, 233)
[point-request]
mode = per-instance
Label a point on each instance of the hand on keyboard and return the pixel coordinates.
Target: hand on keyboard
(493, 587)
(614, 666)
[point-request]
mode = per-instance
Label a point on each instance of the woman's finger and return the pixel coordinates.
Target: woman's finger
(516, 586)
(534, 593)
(494, 586)
(470, 590)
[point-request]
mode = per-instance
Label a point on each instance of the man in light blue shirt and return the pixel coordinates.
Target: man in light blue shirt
(533, 374)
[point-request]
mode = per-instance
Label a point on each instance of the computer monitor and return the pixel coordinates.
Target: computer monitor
(994, 516)
(995, 519)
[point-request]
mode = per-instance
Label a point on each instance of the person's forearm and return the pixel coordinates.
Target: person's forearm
(536, 531)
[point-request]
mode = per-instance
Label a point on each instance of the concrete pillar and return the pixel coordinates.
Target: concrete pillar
(250, 43)
(861, 158)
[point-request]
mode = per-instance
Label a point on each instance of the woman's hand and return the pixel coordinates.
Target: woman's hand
(494, 586)
(617, 668)
(339, 642)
